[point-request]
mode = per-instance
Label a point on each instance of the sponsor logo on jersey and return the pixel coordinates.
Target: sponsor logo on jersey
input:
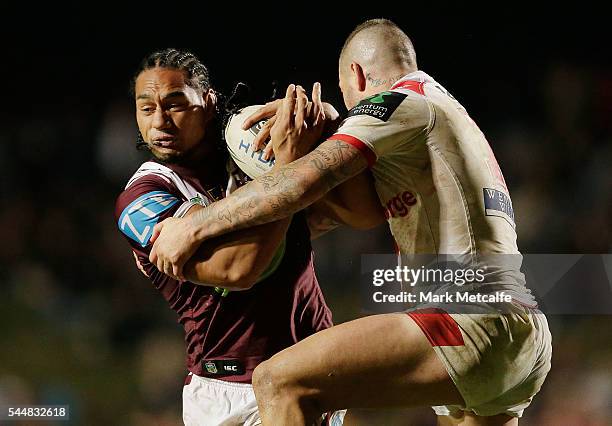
(497, 203)
(380, 106)
(139, 217)
(399, 206)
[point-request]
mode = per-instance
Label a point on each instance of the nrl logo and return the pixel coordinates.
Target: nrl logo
(211, 367)
(197, 199)
(256, 128)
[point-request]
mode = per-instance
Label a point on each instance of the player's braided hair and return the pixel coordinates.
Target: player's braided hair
(197, 73)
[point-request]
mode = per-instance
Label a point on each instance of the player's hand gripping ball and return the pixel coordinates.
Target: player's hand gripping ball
(240, 143)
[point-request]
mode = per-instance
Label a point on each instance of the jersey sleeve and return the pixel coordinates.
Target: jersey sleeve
(141, 206)
(386, 122)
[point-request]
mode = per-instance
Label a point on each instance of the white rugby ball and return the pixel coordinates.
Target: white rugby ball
(240, 143)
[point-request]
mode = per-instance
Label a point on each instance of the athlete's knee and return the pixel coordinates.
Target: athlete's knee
(270, 380)
(262, 380)
(276, 388)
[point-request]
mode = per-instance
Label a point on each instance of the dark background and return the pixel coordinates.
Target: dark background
(79, 325)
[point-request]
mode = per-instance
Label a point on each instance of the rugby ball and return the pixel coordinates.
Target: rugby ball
(240, 143)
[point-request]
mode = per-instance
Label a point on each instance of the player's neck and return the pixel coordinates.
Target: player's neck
(384, 81)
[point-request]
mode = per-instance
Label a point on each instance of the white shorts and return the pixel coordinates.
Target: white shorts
(499, 362)
(212, 402)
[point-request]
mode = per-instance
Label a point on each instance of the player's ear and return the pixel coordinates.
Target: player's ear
(209, 99)
(359, 77)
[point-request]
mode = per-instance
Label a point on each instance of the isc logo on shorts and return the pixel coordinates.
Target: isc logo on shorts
(228, 367)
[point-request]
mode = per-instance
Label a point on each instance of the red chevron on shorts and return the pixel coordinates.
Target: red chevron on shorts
(439, 327)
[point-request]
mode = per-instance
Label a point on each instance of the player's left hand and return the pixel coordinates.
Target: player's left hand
(267, 112)
(299, 125)
(315, 110)
(173, 245)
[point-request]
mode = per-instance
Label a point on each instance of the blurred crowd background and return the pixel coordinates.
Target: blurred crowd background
(79, 325)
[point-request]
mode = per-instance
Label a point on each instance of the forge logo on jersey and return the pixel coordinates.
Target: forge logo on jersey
(140, 216)
(400, 205)
(379, 106)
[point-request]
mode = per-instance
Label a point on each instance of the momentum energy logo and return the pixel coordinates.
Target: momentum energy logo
(380, 106)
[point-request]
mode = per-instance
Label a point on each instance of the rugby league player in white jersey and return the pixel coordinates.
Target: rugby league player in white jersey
(444, 193)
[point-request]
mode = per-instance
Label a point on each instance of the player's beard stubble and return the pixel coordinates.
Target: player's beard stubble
(208, 149)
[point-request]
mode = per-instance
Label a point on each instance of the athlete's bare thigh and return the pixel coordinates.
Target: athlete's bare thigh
(376, 361)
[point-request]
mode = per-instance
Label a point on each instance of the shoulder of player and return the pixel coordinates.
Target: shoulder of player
(399, 106)
(397, 98)
(142, 184)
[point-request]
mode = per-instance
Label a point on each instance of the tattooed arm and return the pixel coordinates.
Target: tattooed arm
(279, 193)
(282, 192)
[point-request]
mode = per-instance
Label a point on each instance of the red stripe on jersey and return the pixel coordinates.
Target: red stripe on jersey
(439, 327)
(367, 152)
(415, 86)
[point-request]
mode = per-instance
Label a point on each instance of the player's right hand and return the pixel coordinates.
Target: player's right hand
(174, 244)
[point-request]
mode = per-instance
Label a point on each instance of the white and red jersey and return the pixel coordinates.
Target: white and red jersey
(435, 172)
(436, 176)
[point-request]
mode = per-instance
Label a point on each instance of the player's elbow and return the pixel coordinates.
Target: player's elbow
(234, 276)
(240, 278)
(366, 223)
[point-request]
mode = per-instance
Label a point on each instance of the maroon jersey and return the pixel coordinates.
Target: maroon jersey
(227, 334)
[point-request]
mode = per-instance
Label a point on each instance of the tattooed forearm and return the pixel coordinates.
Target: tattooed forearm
(335, 164)
(281, 192)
